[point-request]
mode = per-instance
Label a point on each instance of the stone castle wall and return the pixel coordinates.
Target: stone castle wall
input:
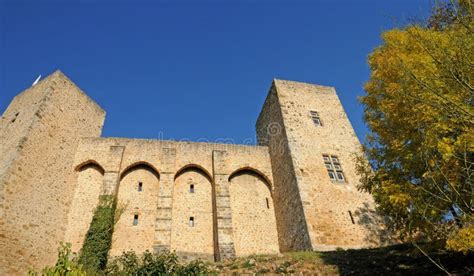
(328, 205)
(292, 230)
(230, 182)
(202, 200)
(39, 133)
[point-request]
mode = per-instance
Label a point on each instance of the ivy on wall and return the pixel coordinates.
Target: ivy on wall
(98, 239)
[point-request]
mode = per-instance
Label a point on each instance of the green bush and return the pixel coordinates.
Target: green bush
(149, 264)
(64, 266)
(129, 263)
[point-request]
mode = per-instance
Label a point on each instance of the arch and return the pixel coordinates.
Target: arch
(88, 164)
(255, 172)
(140, 165)
(196, 239)
(141, 202)
(89, 182)
(253, 214)
(194, 167)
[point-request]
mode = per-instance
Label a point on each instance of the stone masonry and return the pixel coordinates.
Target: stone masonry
(296, 190)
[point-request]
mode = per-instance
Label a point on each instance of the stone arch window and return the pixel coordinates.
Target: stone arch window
(191, 221)
(191, 188)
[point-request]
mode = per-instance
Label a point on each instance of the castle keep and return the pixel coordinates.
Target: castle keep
(296, 190)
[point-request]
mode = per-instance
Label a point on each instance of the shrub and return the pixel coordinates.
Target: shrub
(129, 263)
(64, 266)
(150, 264)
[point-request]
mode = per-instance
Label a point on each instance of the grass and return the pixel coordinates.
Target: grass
(402, 259)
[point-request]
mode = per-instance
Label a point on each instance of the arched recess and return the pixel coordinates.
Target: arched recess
(194, 167)
(89, 163)
(192, 223)
(140, 165)
(137, 195)
(86, 197)
(253, 215)
(256, 173)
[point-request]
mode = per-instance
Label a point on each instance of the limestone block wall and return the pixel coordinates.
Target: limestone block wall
(292, 229)
(86, 197)
(39, 133)
(192, 220)
(328, 205)
(244, 199)
(211, 168)
(139, 206)
(252, 210)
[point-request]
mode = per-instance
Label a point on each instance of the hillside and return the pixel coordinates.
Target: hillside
(392, 260)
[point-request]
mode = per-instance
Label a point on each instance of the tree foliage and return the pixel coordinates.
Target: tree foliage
(419, 108)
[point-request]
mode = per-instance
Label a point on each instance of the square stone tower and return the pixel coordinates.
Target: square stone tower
(312, 147)
(39, 134)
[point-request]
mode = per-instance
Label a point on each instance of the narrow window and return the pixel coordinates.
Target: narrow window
(352, 218)
(268, 203)
(191, 188)
(140, 186)
(135, 219)
(191, 221)
(316, 119)
(334, 168)
(14, 118)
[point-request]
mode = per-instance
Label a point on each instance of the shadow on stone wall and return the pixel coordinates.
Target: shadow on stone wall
(377, 231)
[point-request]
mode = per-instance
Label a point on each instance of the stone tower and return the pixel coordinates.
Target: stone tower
(312, 146)
(39, 133)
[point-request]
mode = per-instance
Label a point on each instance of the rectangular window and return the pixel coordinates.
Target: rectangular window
(135, 219)
(268, 203)
(191, 188)
(191, 221)
(316, 119)
(331, 175)
(334, 168)
(140, 186)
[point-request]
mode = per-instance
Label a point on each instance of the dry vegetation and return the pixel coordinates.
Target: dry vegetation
(392, 260)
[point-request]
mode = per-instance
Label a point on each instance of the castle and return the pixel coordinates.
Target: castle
(296, 190)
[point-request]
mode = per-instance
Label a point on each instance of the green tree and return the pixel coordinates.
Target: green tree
(419, 108)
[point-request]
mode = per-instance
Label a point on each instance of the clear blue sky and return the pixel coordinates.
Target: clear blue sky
(194, 70)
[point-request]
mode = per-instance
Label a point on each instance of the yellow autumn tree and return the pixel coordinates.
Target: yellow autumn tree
(419, 108)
